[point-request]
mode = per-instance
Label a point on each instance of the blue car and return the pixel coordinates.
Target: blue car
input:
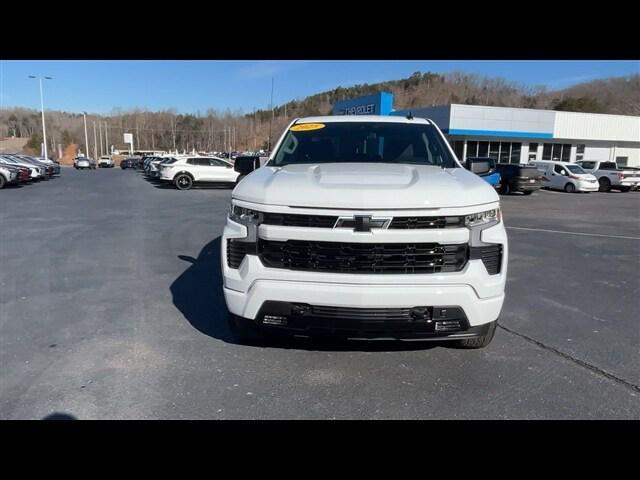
(493, 176)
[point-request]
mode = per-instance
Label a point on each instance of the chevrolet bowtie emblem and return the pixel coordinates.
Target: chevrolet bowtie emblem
(363, 223)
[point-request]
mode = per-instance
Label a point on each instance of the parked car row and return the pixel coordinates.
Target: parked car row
(17, 169)
(581, 176)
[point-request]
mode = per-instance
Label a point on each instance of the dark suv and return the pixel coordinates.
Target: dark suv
(519, 178)
(128, 163)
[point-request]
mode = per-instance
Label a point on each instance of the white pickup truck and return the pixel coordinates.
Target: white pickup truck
(360, 227)
(610, 176)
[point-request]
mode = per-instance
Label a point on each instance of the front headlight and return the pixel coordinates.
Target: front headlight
(489, 217)
(244, 215)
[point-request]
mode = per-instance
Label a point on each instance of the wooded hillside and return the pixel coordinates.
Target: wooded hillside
(214, 130)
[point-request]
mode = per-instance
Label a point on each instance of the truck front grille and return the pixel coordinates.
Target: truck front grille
(328, 221)
(295, 220)
(410, 223)
(341, 257)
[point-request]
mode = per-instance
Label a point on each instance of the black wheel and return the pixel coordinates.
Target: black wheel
(3, 182)
(183, 181)
(528, 192)
(479, 342)
(624, 189)
(605, 184)
(245, 331)
(570, 188)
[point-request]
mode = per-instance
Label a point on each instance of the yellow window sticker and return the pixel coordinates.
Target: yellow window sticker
(305, 127)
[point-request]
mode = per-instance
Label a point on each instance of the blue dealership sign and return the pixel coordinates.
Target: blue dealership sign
(380, 103)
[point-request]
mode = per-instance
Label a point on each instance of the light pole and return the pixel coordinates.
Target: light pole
(95, 141)
(271, 122)
(86, 138)
(106, 138)
(100, 134)
(44, 129)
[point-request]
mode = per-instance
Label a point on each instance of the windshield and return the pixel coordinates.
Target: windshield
(372, 142)
(575, 168)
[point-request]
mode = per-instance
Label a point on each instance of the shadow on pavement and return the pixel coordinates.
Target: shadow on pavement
(197, 293)
(59, 416)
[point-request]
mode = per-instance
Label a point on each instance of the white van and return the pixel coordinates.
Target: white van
(565, 176)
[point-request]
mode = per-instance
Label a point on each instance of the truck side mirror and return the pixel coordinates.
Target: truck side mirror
(480, 168)
(246, 165)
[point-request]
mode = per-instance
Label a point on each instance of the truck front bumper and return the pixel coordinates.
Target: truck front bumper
(479, 295)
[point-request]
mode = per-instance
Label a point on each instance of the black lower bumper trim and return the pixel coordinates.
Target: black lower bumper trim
(440, 322)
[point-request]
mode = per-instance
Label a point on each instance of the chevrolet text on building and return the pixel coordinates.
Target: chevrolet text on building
(365, 226)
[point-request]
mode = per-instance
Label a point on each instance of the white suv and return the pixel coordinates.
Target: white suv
(105, 161)
(184, 172)
(365, 226)
(7, 176)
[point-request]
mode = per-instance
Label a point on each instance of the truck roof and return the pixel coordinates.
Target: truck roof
(361, 118)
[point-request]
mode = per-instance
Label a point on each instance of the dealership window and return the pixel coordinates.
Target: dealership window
(494, 150)
(458, 148)
(472, 149)
(579, 152)
(556, 151)
(533, 152)
(622, 161)
(516, 147)
(502, 152)
(505, 151)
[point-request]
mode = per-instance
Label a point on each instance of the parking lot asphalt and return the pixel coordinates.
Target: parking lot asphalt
(111, 307)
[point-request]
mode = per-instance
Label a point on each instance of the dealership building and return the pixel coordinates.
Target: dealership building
(519, 135)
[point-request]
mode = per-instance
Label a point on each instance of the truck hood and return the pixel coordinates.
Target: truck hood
(364, 186)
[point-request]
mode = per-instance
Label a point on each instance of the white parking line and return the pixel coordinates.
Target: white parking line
(574, 233)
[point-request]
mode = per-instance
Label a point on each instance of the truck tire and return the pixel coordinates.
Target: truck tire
(570, 188)
(183, 181)
(479, 342)
(528, 192)
(3, 182)
(505, 189)
(245, 331)
(605, 184)
(624, 189)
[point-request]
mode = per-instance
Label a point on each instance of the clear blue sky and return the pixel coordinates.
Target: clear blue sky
(189, 86)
